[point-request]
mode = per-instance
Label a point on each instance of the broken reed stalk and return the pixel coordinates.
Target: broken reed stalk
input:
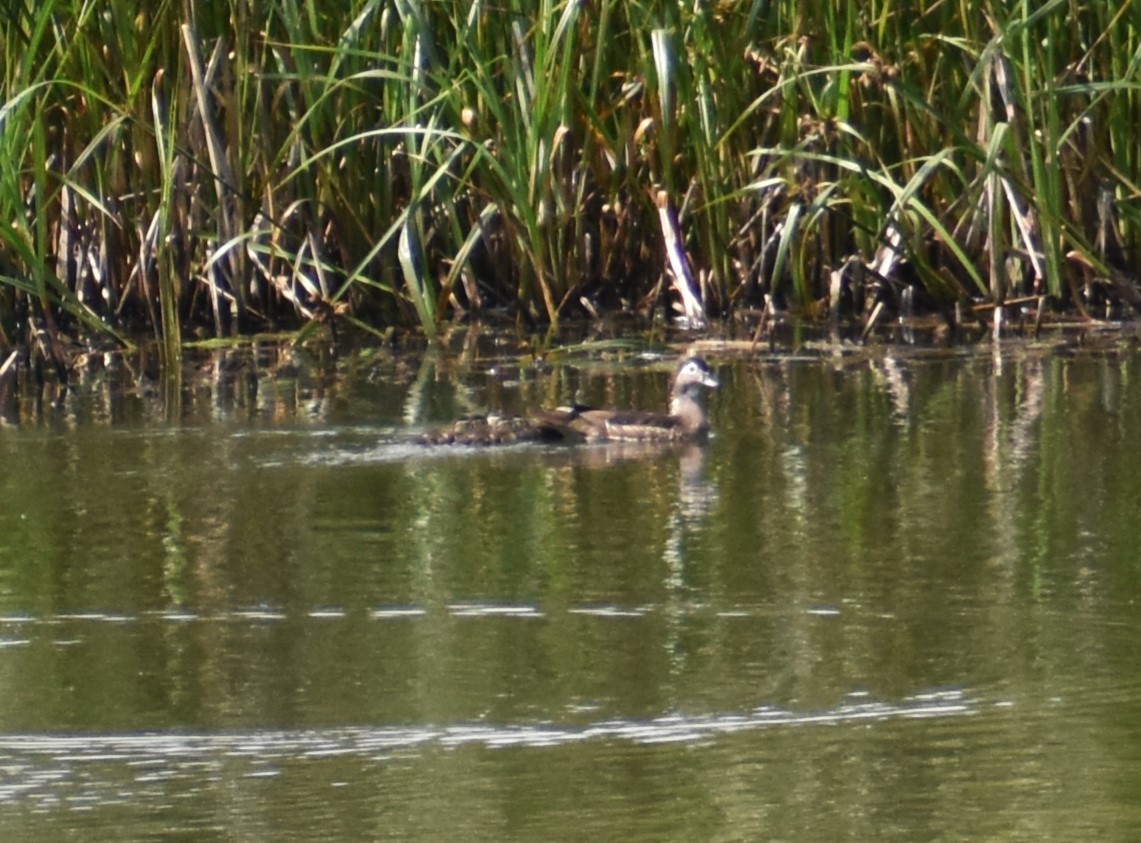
(223, 175)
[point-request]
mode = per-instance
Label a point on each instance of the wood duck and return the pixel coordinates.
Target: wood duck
(685, 420)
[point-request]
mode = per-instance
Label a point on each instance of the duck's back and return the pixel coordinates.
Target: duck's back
(594, 424)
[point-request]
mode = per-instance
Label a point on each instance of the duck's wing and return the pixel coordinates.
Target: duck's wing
(636, 426)
(591, 423)
(564, 422)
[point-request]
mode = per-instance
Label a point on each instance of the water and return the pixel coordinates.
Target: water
(895, 597)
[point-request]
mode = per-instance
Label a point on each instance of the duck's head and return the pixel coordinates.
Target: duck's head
(694, 372)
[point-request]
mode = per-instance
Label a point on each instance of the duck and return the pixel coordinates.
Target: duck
(685, 420)
(487, 430)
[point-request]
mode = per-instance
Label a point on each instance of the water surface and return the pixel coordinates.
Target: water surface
(894, 597)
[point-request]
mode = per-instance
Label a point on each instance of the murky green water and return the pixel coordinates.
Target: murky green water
(895, 597)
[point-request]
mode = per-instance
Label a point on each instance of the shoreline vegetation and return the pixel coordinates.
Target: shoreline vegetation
(187, 172)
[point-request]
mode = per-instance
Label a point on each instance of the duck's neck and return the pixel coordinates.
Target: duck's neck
(687, 407)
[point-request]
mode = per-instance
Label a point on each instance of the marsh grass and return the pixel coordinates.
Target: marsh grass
(210, 170)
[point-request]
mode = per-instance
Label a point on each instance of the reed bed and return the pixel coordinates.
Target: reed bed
(197, 170)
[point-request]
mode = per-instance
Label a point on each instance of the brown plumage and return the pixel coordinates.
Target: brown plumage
(489, 430)
(685, 420)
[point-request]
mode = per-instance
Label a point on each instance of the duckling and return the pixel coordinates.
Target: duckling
(489, 430)
(686, 419)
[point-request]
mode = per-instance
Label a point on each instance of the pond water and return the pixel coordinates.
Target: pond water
(895, 597)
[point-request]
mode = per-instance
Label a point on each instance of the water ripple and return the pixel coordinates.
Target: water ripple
(147, 748)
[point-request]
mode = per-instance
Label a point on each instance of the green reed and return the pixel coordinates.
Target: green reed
(256, 164)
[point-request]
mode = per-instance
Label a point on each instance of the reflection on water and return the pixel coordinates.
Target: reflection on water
(261, 612)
